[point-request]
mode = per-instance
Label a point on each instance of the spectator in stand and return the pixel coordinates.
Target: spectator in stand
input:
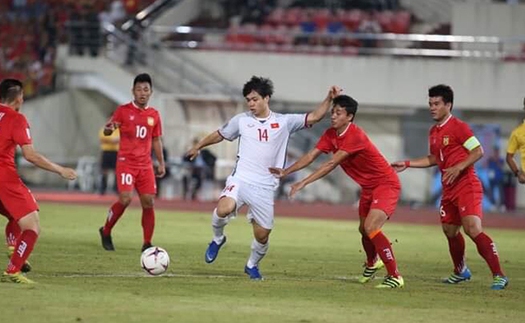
(308, 28)
(117, 12)
(255, 11)
(76, 32)
(369, 26)
(131, 6)
(92, 30)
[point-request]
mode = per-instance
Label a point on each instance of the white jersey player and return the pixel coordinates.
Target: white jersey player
(263, 139)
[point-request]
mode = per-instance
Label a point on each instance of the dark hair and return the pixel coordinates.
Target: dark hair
(10, 89)
(143, 78)
(261, 85)
(443, 91)
(346, 102)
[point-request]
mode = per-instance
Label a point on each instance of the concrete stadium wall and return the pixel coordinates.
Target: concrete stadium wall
(65, 127)
(488, 19)
(374, 81)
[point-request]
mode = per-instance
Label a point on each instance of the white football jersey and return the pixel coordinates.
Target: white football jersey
(262, 144)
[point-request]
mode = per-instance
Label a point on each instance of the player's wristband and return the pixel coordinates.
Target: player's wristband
(407, 163)
(517, 173)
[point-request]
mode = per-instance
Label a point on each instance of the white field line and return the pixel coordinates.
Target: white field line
(143, 275)
(205, 276)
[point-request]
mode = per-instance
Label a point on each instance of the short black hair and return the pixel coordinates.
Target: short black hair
(443, 91)
(10, 89)
(261, 85)
(346, 102)
(143, 78)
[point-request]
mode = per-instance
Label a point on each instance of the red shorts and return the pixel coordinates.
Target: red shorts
(142, 179)
(467, 200)
(16, 200)
(384, 197)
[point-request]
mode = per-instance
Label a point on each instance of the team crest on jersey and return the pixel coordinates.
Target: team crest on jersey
(445, 141)
(274, 125)
(151, 121)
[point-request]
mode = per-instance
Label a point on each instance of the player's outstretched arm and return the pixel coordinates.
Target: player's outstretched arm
(211, 139)
(322, 171)
(422, 162)
(319, 113)
(40, 161)
(304, 161)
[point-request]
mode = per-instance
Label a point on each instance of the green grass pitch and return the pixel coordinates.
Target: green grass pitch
(310, 271)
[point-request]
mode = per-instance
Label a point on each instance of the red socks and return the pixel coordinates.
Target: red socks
(456, 246)
(148, 224)
(148, 220)
(23, 249)
(114, 213)
(487, 250)
(385, 252)
(370, 250)
(12, 233)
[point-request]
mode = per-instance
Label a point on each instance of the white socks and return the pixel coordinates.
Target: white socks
(258, 252)
(218, 225)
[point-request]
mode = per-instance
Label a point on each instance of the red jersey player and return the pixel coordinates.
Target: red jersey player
(16, 201)
(140, 130)
(362, 161)
(455, 149)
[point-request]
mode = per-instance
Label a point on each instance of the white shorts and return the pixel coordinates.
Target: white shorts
(259, 200)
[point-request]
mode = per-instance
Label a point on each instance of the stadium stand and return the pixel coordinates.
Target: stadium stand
(302, 26)
(31, 30)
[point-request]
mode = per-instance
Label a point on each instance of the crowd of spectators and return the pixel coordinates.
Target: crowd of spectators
(302, 25)
(30, 31)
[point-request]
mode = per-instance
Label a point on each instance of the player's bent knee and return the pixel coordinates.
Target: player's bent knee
(225, 206)
(450, 231)
(125, 200)
(30, 222)
(262, 237)
(147, 201)
(472, 231)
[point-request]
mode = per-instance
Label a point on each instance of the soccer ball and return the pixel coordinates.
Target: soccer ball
(155, 261)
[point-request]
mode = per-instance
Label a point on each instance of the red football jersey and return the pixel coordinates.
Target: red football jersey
(137, 129)
(447, 144)
(365, 165)
(14, 130)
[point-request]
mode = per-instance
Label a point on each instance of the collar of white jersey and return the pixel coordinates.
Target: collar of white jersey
(347, 127)
(446, 121)
(264, 119)
(136, 106)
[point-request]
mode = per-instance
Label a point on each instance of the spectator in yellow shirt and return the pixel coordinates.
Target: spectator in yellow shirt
(517, 143)
(109, 147)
